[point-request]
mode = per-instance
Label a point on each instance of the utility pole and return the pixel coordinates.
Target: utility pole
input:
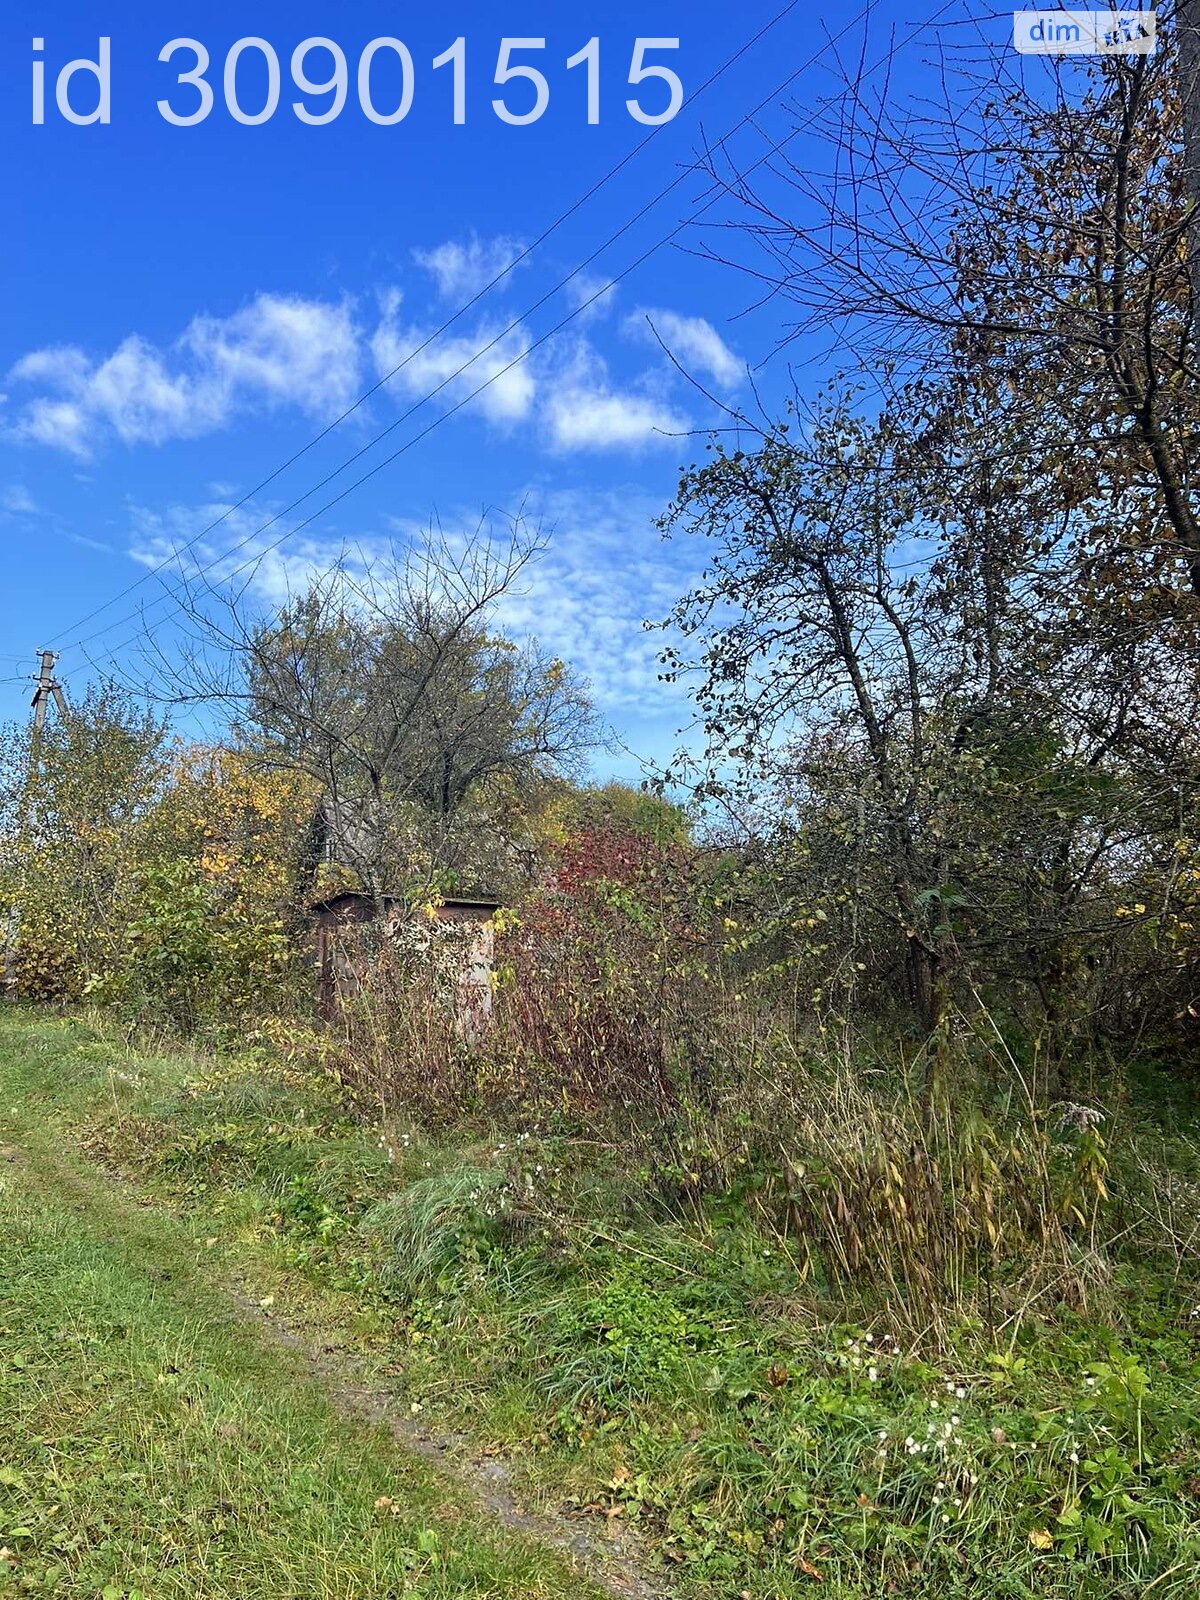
(47, 689)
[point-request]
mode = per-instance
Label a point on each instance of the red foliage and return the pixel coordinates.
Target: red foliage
(596, 964)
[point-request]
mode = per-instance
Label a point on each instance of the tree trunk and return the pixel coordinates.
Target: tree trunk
(1187, 24)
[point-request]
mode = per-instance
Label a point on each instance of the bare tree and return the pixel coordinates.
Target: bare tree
(390, 687)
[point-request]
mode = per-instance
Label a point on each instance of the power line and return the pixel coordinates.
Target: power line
(259, 555)
(462, 310)
(478, 355)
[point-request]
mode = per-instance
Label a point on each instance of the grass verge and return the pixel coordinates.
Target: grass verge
(156, 1446)
(637, 1368)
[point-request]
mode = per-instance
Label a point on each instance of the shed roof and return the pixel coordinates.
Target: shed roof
(348, 896)
(356, 896)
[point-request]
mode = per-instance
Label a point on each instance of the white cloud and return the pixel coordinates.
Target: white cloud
(237, 551)
(510, 388)
(18, 502)
(276, 351)
(694, 343)
(583, 416)
(591, 295)
(143, 401)
(605, 572)
(462, 270)
(583, 411)
(311, 355)
(285, 348)
(58, 423)
(61, 365)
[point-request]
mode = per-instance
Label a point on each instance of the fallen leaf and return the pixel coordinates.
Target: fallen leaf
(1040, 1539)
(804, 1565)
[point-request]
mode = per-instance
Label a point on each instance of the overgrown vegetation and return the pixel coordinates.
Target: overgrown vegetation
(680, 1368)
(154, 1444)
(823, 1192)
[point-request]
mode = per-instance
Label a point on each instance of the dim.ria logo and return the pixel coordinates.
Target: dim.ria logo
(1113, 31)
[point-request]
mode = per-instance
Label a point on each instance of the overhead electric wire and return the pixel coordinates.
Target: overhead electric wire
(260, 554)
(445, 327)
(511, 328)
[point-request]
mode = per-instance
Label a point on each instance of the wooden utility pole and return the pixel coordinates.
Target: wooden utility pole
(48, 688)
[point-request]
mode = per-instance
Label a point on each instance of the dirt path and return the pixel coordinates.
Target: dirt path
(145, 1246)
(609, 1562)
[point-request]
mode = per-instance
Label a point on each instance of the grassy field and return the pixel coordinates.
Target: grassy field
(617, 1367)
(156, 1445)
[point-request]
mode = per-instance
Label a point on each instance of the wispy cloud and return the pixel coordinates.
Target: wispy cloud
(461, 268)
(17, 501)
(284, 349)
(510, 388)
(605, 573)
(238, 552)
(694, 343)
(287, 352)
(591, 295)
(582, 418)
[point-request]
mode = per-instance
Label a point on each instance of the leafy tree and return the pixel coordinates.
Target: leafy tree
(616, 805)
(219, 928)
(403, 704)
(956, 747)
(71, 805)
(1031, 231)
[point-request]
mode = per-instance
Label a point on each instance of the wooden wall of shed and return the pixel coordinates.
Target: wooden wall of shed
(339, 975)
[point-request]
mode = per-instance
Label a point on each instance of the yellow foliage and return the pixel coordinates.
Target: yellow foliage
(199, 880)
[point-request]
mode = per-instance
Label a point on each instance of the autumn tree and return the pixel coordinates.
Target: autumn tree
(953, 740)
(1026, 224)
(72, 801)
(401, 699)
(218, 931)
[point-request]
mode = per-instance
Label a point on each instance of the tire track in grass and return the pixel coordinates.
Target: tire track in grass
(161, 1441)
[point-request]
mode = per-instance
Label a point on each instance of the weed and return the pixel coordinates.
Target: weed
(762, 1421)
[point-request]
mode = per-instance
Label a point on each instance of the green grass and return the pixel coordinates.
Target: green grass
(637, 1368)
(154, 1446)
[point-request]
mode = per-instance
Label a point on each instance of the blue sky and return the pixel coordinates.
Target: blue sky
(185, 307)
